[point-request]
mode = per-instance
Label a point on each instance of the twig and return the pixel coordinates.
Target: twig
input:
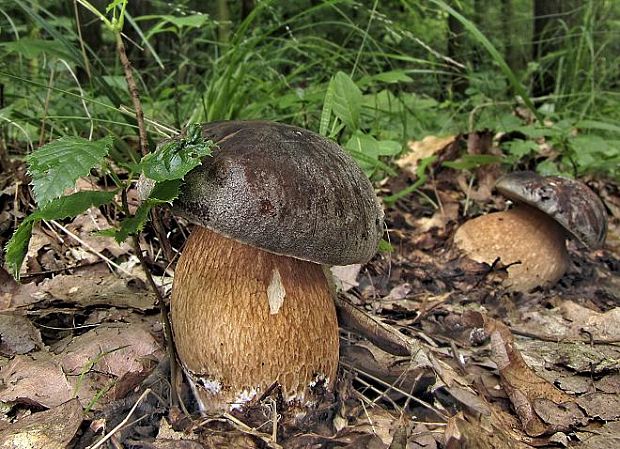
(161, 304)
(82, 46)
(396, 389)
(89, 248)
(122, 423)
(135, 96)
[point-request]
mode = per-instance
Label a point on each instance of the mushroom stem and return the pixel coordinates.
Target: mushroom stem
(244, 319)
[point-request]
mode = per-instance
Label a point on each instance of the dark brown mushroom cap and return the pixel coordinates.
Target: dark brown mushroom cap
(571, 203)
(285, 190)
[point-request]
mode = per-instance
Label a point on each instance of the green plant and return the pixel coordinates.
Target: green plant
(51, 179)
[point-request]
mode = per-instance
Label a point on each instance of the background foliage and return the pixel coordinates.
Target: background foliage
(371, 75)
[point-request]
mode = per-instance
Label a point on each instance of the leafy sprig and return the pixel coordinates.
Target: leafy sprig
(56, 167)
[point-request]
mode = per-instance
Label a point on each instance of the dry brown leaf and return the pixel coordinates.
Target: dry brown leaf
(35, 380)
(18, 335)
(421, 437)
(113, 359)
(600, 437)
(599, 326)
(465, 432)
(346, 276)
(601, 406)
(14, 295)
(541, 407)
(90, 289)
(422, 149)
(51, 429)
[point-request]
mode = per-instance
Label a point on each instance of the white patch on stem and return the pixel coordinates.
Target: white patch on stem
(275, 292)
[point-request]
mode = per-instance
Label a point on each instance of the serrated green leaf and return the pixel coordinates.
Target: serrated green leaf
(166, 191)
(56, 166)
(66, 206)
(348, 100)
(135, 223)
(72, 205)
(17, 246)
(175, 158)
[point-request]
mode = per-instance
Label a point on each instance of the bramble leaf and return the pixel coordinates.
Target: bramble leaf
(163, 192)
(66, 206)
(56, 166)
(175, 158)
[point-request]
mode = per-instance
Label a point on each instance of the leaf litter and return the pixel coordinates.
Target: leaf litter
(435, 353)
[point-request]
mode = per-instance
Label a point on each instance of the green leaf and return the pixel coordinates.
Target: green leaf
(66, 206)
(17, 246)
(56, 166)
(326, 112)
(469, 161)
(135, 223)
(348, 100)
(175, 158)
(521, 148)
(31, 48)
(596, 124)
(163, 192)
(72, 205)
(390, 77)
(166, 191)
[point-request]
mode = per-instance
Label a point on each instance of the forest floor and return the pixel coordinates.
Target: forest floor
(435, 351)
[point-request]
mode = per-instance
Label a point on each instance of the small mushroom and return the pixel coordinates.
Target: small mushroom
(530, 238)
(251, 307)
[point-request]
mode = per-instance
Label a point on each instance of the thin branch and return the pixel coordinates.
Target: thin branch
(135, 96)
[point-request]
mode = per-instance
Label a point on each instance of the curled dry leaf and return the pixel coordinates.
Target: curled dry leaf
(541, 407)
(51, 429)
(14, 295)
(381, 334)
(421, 149)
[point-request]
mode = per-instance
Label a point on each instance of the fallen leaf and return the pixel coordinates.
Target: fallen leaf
(107, 361)
(346, 276)
(541, 407)
(422, 149)
(599, 326)
(18, 335)
(51, 429)
(90, 289)
(35, 379)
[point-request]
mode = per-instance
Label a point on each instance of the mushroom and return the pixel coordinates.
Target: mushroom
(530, 238)
(251, 307)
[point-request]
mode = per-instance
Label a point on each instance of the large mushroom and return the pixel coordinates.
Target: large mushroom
(530, 238)
(251, 308)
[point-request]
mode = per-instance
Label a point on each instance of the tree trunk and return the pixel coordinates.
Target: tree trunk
(456, 48)
(223, 18)
(510, 49)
